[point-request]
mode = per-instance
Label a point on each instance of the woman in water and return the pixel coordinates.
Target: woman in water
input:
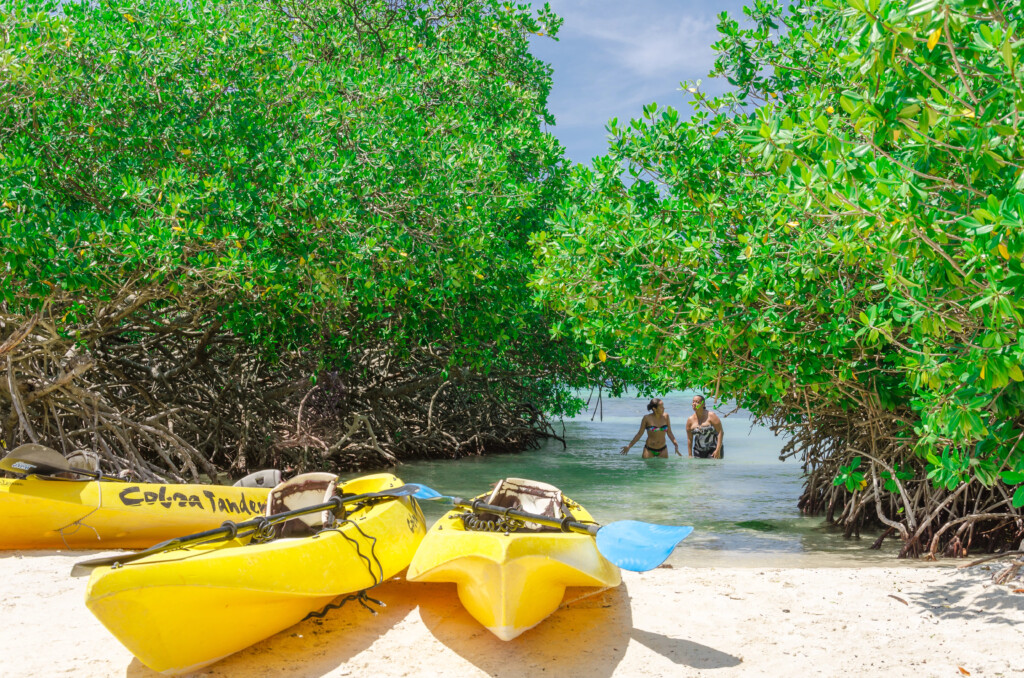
(704, 435)
(657, 426)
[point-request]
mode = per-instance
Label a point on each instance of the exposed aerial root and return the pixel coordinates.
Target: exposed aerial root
(166, 394)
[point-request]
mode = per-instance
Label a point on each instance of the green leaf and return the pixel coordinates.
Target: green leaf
(909, 111)
(921, 7)
(1012, 477)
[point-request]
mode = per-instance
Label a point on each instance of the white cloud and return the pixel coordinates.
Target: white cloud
(681, 49)
(613, 57)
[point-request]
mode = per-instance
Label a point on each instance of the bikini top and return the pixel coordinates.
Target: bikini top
(658, 428)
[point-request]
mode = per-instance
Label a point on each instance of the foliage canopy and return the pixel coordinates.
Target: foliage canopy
(838, 241)
(304, 184)
(305, 164)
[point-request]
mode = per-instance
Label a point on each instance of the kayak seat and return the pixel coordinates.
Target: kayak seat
(87, 460)
(267, 478)
(307, 489)
(530, 496)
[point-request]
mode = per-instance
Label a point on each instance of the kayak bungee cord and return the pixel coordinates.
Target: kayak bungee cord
(359, 596)
(79, 524)
(262, 533)
(477, 523)
(373, 548)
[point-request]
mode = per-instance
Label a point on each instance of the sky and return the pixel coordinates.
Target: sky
(614, 56)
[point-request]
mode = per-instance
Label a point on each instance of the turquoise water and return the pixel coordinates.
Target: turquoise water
(714, 495)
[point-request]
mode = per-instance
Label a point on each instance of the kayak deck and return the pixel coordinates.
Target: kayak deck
(52, 513)
(510, 582)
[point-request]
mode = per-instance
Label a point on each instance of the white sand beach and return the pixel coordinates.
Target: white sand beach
(683, 621)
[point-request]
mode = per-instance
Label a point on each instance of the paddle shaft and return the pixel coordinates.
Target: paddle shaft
(565, 524)
(230, 529)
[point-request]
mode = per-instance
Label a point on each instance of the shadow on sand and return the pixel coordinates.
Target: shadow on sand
(970, 594)
(587, 637)
(685, 652)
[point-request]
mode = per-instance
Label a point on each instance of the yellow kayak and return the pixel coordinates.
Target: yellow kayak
(56, 513)
(510, 581)
(180, 610)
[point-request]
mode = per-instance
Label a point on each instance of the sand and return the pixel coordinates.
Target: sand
(718, 621)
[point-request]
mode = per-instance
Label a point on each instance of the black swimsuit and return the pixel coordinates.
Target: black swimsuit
(705, 441)
(656, 452)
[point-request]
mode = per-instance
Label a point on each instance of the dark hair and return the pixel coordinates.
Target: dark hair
(702, 398)
(653, 404)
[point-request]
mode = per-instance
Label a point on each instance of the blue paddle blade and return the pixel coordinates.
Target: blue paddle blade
(424, 492)
(637, 546)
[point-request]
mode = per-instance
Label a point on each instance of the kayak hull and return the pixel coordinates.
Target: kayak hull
(51, 513)
(510, 582)
(181, 610)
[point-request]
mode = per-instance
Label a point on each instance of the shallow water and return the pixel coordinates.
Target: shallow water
(743, 507)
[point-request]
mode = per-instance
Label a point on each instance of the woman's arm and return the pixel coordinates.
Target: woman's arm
(671, 436)
(717, 423)
(689, 437)
(639, 433)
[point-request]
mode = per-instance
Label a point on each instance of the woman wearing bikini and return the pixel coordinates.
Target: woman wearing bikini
(657, 426)
(704, 435)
